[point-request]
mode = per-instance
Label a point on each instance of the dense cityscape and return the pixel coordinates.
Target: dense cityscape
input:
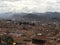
(29, 22)
(29, 33)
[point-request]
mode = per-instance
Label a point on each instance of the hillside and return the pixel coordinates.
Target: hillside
(32, 16)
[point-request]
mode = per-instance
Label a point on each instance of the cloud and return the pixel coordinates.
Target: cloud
(29, 5)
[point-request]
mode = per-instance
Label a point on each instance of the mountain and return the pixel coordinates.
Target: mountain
(32, 16)
(43, 16)
(6, 15)
(18, 16)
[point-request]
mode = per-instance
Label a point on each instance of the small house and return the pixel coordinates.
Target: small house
(39, 40)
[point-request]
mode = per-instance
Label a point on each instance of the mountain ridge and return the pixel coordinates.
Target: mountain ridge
(33, 16)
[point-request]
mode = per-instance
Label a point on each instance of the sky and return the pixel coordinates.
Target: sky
(29, 6)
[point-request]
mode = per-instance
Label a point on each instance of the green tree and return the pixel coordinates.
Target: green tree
(8, 39)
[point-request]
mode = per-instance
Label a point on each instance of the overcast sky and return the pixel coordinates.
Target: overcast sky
(29, 5)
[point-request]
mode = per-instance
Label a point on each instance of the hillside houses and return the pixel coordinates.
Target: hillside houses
(25, 32)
